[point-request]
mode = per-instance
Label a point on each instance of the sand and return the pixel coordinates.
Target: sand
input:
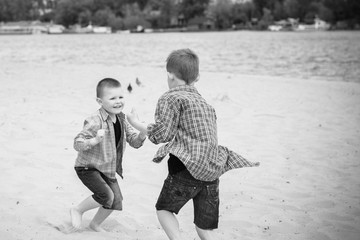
(305, 133)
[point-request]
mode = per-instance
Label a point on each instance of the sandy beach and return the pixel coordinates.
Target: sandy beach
(305, 133)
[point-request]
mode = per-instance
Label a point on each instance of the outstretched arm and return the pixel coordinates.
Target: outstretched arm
(166, 122)
(133, 119)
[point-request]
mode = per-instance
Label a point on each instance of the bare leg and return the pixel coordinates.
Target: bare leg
(77, 212)
(204, 234)
(99, 217)
(170, 224)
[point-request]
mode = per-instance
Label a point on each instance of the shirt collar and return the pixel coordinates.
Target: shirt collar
(188, 88)
(104, 114)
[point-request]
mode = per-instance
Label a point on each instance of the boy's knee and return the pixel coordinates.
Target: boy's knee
(117, 203)
(204, 234)
(106, 199)
(110, 199)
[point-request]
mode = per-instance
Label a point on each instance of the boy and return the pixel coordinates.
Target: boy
(101, 145)
(187, 123)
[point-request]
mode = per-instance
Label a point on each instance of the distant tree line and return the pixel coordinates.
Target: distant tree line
(224, 14)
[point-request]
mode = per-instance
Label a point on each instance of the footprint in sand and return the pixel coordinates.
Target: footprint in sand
(65, 228)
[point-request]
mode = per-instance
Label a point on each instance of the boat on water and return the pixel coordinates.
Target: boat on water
(101, 29)
(293, 25)
(78, 29)
(139, 29)
(15, 30)
(36, 27)
(319, 25)
(26, 27)
(55, 29)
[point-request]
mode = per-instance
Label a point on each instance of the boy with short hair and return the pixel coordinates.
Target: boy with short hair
(101, 145)
(187, 123)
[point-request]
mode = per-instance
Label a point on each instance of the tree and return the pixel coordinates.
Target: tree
(134, 17)
(116, 23)
(291, 8)
(141, 3)
(279, 11)
(84, 17)
(165, 13)
(160, 13)
(222, 13)
(102, 17)
(265, 5)
(325, 13)
(239, 14)
(354, 10)
(15, 10)
(266, 20)
(69, 12)
(193, 8)
(317, 9)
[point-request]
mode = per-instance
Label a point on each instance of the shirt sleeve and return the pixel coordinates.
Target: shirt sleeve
(82, 140)
(132, 137)
(167, 116)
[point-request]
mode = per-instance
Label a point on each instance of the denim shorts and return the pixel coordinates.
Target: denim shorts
(106, 191)
(178, 189)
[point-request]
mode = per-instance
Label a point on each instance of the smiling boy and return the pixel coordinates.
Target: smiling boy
(101, 145)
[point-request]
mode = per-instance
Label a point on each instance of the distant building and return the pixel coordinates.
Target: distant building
(320, 24)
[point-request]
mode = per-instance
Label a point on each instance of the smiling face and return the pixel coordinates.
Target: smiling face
(112, 100)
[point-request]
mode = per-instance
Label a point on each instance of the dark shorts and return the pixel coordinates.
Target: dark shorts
(178, 189)
(106, 190)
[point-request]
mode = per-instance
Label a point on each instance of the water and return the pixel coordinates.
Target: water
(333, 56)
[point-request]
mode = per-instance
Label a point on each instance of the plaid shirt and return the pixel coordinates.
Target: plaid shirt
(104, 156)
(187, 124)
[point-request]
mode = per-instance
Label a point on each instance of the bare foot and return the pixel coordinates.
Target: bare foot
(75, 218)
(96, 228)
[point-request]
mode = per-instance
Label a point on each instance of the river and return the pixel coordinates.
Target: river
(331, 55)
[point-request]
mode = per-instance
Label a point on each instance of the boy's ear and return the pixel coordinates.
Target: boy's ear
(197, 79)
(170, 75)
(99, 101)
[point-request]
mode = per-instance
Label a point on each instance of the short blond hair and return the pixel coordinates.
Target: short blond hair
(106, 82)
(184, 63)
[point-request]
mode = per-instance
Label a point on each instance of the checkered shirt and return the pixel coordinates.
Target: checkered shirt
(105, 156)
(187, 124)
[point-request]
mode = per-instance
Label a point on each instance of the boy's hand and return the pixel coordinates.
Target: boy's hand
(132, 116)
(100, 134)
(98, 138)
(133, 119)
